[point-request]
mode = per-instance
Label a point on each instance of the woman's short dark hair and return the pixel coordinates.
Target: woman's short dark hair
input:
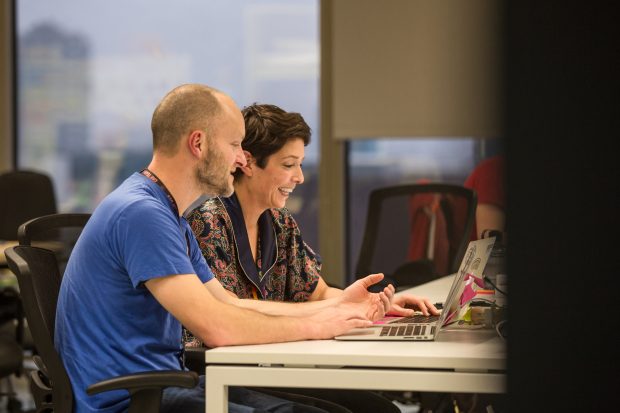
(268, 128)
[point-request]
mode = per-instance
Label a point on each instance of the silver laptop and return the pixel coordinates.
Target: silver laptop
(426, 328)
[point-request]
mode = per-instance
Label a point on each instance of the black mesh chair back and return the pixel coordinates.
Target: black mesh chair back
(56, 232)
(416, 233)
(39, 282)
(25, 195)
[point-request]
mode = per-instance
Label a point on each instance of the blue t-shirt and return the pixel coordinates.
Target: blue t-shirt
(107, 322)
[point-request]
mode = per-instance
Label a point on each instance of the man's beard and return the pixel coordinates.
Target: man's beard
(213, 174)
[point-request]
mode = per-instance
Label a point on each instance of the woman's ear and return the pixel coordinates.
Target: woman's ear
(248, 169)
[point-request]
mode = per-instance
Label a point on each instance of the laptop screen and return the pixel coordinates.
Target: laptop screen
(472, 265)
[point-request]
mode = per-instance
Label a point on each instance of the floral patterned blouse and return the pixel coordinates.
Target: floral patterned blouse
(286, 269)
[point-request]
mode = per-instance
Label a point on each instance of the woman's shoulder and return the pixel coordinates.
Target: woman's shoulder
(282, 216)
(284, 223)
(211, 213)
(210, 207)
(214, 204)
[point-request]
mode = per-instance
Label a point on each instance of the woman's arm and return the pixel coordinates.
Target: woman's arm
(267, 306)
(324, 291)
(355, 298)
(402, 304)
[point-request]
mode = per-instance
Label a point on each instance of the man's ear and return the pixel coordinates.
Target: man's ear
(197, 142)
(248, 169)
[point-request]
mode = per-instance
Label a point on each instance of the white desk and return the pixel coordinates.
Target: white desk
(458, 361)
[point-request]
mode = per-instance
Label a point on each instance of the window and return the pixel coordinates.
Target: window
(91, 73)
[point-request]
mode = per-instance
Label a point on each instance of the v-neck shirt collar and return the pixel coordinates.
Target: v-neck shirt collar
(267, 247)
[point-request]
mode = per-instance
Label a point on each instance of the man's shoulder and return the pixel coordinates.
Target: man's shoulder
(132, 200)
(137, 193)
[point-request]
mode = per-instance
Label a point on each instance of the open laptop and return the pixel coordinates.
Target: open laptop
(426, 328)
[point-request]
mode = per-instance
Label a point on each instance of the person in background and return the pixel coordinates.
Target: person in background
(487, 179)
(136, 274)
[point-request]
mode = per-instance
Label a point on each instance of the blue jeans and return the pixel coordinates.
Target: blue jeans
(240, 400)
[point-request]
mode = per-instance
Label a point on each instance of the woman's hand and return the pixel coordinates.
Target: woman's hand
(401, 301)
(377, 304)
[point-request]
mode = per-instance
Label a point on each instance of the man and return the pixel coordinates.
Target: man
(136, 273)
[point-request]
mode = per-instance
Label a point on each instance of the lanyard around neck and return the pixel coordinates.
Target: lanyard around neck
(149, 174)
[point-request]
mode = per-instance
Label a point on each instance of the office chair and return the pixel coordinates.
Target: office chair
(11, 353)
(39, 282)
(55, 232)
(416, 233)
(25, 195)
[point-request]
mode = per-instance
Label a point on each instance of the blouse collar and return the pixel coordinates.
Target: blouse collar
(267, 237)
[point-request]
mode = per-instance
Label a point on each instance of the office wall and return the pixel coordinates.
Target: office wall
(332, 220)
(415, 68)
(6, 86)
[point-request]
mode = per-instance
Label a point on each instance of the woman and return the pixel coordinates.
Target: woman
(254, 246)
(250, 240)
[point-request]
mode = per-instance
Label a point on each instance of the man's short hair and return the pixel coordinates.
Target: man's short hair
(268, 128)
(184, 109)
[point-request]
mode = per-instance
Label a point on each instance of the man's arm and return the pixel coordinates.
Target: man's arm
(218, 323)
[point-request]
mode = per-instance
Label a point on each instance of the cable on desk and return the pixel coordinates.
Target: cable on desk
(499, 328)
(494, 286)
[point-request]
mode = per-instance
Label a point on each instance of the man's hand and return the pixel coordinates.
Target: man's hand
(333, 321)
(414, 303)
(376, 304)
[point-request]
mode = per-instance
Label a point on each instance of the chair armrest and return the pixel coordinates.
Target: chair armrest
(150, 379)
(145, 389)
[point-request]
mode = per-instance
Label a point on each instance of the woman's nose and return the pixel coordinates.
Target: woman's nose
(299, 177)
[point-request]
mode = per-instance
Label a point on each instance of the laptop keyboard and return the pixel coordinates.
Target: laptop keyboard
(417, 318)
(405, 331)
